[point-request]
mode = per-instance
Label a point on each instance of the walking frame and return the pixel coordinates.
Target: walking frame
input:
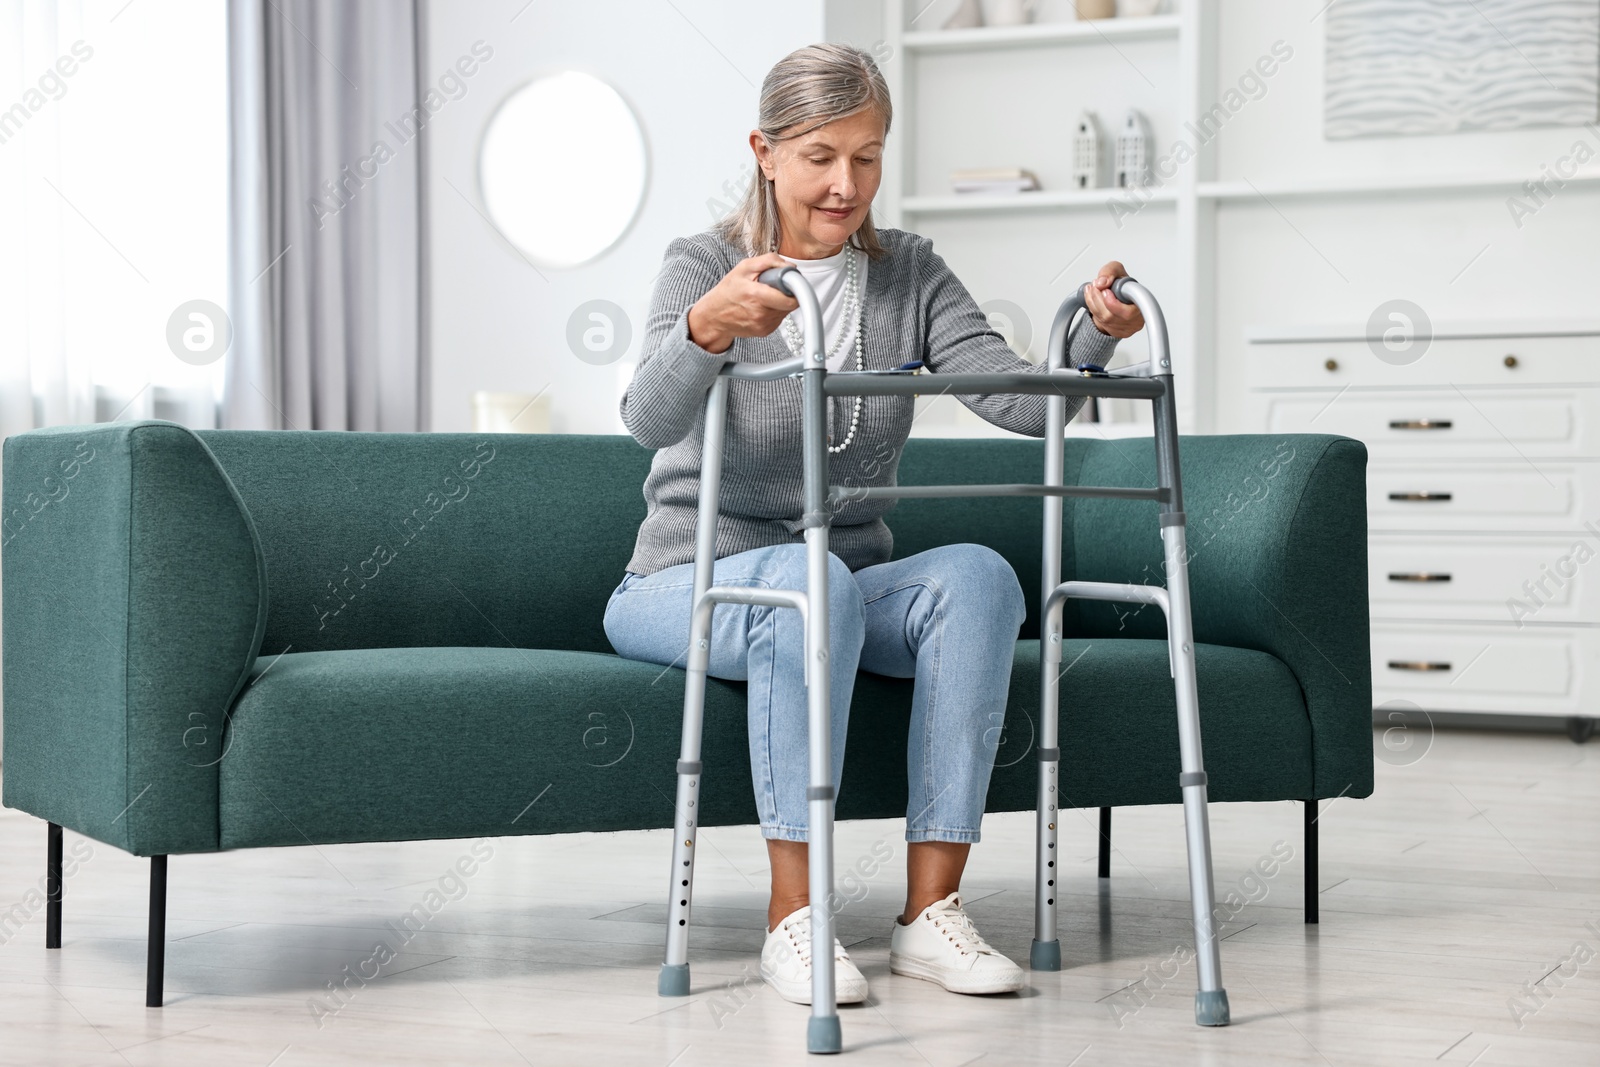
(1151, 381)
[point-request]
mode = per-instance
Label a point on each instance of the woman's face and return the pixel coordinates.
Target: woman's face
(824, 182)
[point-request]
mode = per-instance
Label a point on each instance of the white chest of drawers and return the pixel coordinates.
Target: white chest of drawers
(1483, 503)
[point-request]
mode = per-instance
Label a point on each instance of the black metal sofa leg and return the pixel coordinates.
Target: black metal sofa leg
(52, 872)
(1105, 842)
(1311, 861)
(156, 961)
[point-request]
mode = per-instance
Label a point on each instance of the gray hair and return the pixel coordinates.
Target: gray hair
(807, 88)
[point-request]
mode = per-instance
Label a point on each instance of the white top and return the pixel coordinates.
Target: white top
(827, 278)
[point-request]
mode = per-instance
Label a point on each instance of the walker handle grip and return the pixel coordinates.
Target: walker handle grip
(774, 276)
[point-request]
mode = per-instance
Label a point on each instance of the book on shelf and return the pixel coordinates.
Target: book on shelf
(993, 180)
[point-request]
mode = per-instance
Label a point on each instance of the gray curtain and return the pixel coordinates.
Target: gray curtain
(327, 281)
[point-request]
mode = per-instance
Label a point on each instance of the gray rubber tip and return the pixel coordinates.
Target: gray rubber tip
(1045, 956)
(823, 1035)
(1211, 1008)
(674, 980)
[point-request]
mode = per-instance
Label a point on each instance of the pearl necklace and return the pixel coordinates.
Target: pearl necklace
(852, 301)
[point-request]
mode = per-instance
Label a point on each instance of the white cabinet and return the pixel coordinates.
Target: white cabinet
(1483, 503)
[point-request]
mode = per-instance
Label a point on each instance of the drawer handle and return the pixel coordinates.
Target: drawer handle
(1425, 496)
(1419, 424)
(1417, 665)
(1418, 576)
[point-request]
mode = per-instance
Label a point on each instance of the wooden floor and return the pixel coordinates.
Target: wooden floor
(1470, 872)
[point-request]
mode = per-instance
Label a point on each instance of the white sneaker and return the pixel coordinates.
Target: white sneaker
(941, 945)
(786, 963)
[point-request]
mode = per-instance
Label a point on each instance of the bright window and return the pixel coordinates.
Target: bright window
(116, 155)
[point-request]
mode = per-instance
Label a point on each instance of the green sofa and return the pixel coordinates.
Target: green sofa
(242, 639)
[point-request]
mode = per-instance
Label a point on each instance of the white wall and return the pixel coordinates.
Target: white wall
(691, 71)
(1280, 135)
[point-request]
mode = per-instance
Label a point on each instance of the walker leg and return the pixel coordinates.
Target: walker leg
(823, 1033)
(680, 885)
(674, 978)
(1044, 954)
(1211, 1002)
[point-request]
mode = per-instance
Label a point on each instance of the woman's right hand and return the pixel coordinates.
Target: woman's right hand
(740, 305)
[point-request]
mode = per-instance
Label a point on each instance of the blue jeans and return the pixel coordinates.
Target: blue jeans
(947, 617)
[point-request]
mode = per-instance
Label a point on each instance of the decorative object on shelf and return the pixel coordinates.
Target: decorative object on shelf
(1137, 9)
(1095, 9)
(1422, 67)
(993, 180)
(1086, 152)
(1008, 12)
(1133, 152)
(965, 17)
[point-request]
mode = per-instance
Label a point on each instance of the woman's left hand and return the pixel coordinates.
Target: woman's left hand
(1111, 315)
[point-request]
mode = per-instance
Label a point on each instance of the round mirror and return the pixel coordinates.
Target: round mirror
(562, 168)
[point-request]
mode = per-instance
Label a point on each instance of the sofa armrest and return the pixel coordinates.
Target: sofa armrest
(133, 592)
(1277, 537)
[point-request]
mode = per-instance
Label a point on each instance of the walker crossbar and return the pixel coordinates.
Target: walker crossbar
(1126, 592)
(1151, 382)
(1131, 382)
(735, 594)
(842, 493)
(867, 383)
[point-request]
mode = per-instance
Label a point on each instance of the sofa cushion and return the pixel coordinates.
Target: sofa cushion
(1119, 726)
(391, 744)
(414, 743)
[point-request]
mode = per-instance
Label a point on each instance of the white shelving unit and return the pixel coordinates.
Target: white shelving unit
(955, 76)
(1034, 35)
(1038, 200)
(1423, 185)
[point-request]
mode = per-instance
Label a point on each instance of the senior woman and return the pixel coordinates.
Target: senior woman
(947, 617)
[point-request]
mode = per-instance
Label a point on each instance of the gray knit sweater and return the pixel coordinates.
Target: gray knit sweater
(915, 309)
